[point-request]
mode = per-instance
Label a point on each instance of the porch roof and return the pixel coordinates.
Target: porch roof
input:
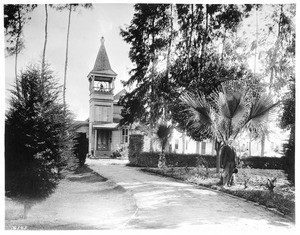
(106, 125)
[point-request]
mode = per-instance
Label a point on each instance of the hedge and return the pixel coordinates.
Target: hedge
(146, 159)
(264, 162)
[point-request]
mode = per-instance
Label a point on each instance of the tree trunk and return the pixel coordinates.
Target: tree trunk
(17, 47)
(27, 207)
(217, 148)
(183, 143)
(45, 41)
(151, 141)
(249, 151)
(66, 61)
(263, 139)
(16, 65)
(202, 60)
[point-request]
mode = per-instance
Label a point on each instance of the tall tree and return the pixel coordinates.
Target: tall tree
(228, 111)
(288, 122)
(38, 138)
(148, 39)
(70, 8)
(199, 65)
(15, 17)
(273, 47)
(45, 40)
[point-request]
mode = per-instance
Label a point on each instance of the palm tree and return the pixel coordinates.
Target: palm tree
(228, 111)
(163, 133)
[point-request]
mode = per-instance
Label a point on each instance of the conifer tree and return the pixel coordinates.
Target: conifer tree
(38, 138)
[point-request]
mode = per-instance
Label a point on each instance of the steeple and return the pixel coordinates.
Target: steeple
(102, 65)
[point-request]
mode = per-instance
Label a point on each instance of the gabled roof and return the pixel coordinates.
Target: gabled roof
(102, 65)
(118, 96)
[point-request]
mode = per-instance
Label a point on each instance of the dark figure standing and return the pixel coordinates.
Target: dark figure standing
(228, 163)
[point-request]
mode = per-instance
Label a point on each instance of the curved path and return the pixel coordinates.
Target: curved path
(164, 203)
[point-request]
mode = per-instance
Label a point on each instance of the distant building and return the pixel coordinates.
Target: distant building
(102, 127)
(106, 135)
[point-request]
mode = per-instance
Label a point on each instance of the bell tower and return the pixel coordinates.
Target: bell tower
(101, 86)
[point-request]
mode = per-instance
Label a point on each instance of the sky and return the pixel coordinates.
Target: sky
(87, 28)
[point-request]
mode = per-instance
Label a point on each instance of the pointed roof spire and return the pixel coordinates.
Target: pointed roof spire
(102, 64)
(102, 41)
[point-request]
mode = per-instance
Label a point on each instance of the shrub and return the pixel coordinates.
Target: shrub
(290, 161)
(136, 144)
(81, 148)
(190, 160)
(38, 138)
(264, 162)
(119, 152)
(147, 159)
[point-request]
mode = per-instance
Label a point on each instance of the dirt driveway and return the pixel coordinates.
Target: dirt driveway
(84, 200)
(164, 203)
(106, 194)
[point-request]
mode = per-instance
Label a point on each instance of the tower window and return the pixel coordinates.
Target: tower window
(101, 86)
(102, 113)
(124, 135)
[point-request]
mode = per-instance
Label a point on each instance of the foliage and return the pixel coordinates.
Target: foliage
(288, 115)
(136, 143)
(38, 138)
(147, 37)
(81, 148)
(155, 42)
(290, 160)
(150, 159)
(164, 133)
(119, 152)
(288, 122)
(15, 17)
(263, 162)
(74, 7)
(228, 111)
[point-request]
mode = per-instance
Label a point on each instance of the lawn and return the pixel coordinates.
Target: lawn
(249, 184)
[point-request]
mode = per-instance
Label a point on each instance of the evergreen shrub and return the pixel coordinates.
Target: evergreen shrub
(147, 159)
(136, 144)
(264, 162)
(38, 138)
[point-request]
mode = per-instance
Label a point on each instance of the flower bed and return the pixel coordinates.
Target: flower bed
(249, 184)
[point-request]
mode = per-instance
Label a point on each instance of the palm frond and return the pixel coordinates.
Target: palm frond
(230, 104)
(262, 110)
(198, 107)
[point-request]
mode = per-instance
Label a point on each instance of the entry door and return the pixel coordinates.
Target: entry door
(103, 140)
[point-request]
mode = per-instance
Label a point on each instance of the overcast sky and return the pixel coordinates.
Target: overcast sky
(87, 27)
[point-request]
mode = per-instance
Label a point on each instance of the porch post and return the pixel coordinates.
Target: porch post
(95, 142)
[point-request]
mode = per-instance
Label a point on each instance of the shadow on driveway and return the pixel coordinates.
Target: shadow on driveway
(85, 175)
